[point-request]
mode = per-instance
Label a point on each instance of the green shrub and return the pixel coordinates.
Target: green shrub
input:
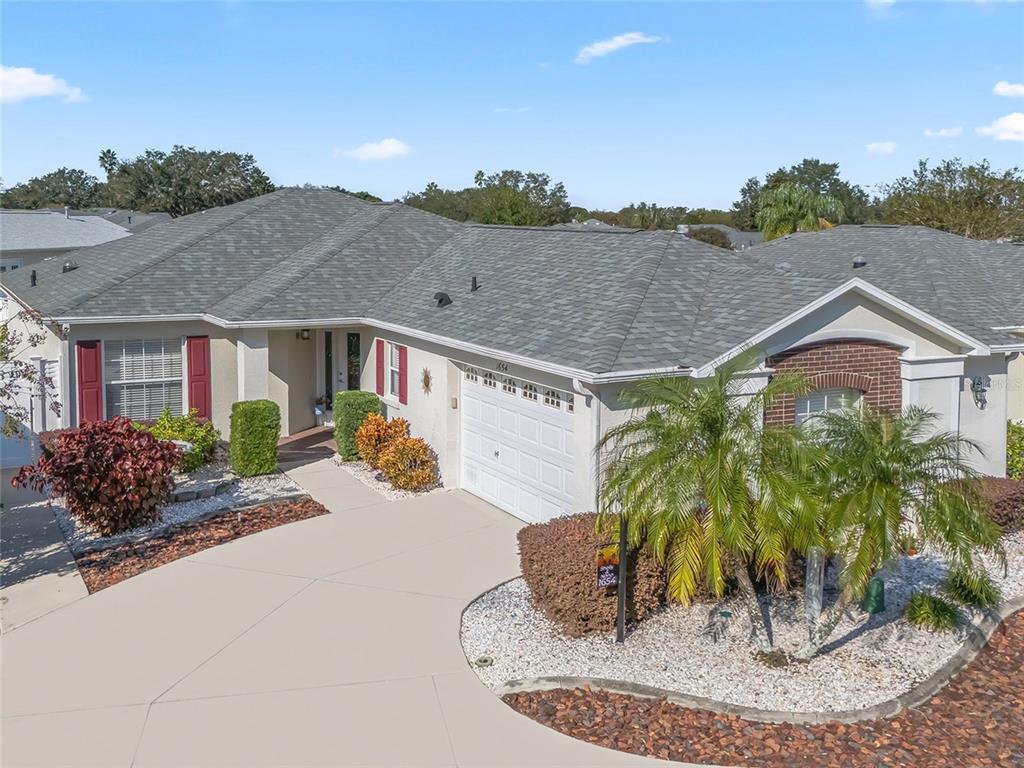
(199, 433)
(255, 430)
(711, 236)
(973, 588)
(350, 411)
(931, 612)
(1015, 450)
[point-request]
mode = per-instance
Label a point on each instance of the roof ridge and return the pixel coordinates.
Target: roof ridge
(625, 331)
(258, 204)
(318, 251)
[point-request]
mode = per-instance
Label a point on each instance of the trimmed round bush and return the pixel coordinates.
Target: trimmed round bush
(351, 407)
(376, 435)
(410, 464)
(558, 562)
(1005, 499)
(199, 433)
(113, 477)
(255, 430)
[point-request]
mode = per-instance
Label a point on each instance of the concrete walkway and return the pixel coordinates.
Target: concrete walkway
(332, 641)
(37, 572)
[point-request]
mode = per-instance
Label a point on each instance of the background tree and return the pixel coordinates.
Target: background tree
(362, 194)
(65, 186)
(185, 180)
(711, 236)
(970, 200)
(788, 208)
(744, 210)
(507, 197)
(108, 162)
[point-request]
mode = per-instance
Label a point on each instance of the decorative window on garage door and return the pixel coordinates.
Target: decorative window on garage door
(552, 398)
(509, 386)
(143, 376)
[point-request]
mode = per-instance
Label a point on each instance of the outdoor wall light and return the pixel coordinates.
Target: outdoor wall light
(305, 334)
(979, 386)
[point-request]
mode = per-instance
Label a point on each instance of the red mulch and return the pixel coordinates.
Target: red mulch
(106, 567)
(976, 720)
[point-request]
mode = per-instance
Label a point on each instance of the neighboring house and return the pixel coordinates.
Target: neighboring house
(28, 237)
(133, 221)
(506, 348)
(740, 239)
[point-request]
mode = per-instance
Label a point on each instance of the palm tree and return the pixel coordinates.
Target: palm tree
(710, 491)
(886, 473)
(790, 208)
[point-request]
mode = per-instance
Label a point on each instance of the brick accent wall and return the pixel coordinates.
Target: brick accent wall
(870, 367)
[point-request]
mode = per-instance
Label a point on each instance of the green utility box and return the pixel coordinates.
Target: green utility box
(874, 596)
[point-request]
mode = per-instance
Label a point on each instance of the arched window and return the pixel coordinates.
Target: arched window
(825, 400)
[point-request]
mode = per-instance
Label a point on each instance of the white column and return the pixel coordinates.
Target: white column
(254, 364)
(38, 396)
(934, 383)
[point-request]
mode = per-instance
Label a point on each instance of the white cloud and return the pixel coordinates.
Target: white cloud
(510, 110)
(603, 47)
(881, 147)
(1007, 128)
(1003, 88)
(384, 149)
(944, 133)
(20, 83)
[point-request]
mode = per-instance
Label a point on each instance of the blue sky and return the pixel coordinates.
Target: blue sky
(699, 98)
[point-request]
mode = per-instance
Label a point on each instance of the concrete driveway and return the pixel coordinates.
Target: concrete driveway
(332, 641)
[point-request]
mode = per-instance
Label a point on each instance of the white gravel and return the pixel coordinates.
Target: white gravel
(372, 478)
(874, 658)
(247, 491)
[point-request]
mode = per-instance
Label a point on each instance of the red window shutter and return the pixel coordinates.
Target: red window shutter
(89, 370)
(403, 375)
(380, 366)
(197, 350)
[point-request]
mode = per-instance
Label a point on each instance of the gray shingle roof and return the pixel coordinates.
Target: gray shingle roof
(973, 285)
(51, 230)
(596, 299)
(133, 221)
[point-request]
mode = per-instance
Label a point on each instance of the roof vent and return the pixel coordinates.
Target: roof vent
(442, 299)
(474, 285)
(69, 266)
(683, 229)
(859, 261)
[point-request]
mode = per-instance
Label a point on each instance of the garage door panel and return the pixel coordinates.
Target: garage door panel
(517, 452)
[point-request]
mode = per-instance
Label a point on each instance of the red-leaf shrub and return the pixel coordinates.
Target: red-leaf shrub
(1006, 499)
(112, 476)
(558, 562)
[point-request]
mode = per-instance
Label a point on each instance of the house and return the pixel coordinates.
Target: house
(133, 221)
(28, 237)
(506, 348)
(739, 238)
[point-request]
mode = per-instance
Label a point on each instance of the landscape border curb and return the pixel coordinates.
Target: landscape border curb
(978, 636)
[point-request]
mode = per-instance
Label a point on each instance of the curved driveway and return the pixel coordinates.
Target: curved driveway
(332, 641)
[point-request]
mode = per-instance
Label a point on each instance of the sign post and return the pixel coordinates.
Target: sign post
(620, 619)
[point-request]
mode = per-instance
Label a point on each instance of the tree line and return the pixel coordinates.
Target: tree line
(973, 200)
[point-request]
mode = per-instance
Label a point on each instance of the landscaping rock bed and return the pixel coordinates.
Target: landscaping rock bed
(869, 660)
(973, 722)
(242, 493)
(372, 478)
(103, 568)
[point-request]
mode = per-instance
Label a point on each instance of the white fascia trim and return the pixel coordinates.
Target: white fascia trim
(1008, 347)
(641, 373)
(865, 288)
(937, 367)
(1010, 328)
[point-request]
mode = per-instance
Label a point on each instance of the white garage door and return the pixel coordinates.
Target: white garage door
(517, 445)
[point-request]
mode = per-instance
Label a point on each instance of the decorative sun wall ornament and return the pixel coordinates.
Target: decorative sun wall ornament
(427, 381)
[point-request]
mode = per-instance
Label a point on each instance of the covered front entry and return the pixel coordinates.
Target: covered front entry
(338, 365)
(517, 445)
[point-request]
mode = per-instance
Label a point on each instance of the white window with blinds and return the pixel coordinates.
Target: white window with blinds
(142, 377)
(824, 400)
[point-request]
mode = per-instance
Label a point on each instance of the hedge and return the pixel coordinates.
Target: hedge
(350, 410)
(558, 563)
(199, 433)
(255, 430)
(1015, 450)
(1005, 497)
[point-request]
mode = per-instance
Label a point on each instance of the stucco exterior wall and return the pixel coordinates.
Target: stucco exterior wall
(1015, 387)
(986, 426)
(223, 360)
(291, 384)
(436, 416)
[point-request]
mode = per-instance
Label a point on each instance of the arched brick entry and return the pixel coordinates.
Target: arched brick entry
(870, 367)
